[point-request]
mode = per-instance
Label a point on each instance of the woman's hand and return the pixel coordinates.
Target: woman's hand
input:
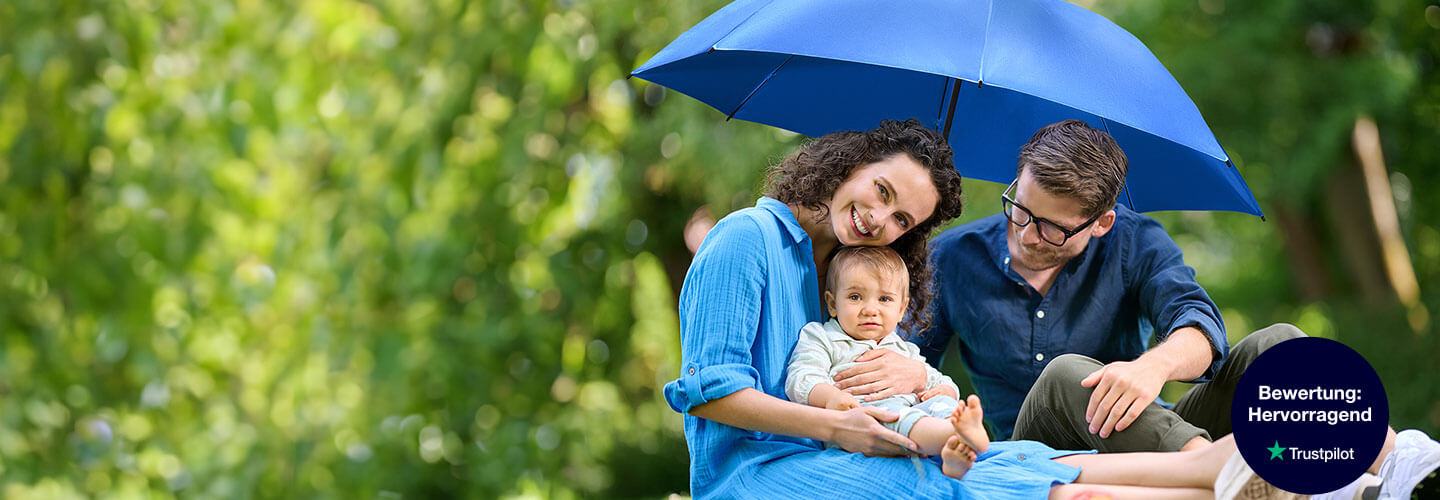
(882, 373)
(859, 431)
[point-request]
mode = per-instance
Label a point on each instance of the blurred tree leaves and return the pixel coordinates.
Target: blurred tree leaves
(343, 249)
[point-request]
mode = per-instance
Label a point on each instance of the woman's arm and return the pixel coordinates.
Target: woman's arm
(856, 430)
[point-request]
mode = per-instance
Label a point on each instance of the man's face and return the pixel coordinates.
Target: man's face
(868, 303)
(1030, 252)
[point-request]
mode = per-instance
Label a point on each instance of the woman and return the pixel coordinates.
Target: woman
(755, 282)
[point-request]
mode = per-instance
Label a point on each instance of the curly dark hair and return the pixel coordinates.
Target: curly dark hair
(811, 175)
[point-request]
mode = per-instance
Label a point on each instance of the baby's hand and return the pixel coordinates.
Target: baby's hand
(939, 390)
(842, 403)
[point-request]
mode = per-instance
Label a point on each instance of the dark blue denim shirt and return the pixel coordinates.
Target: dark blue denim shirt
(1105, 303)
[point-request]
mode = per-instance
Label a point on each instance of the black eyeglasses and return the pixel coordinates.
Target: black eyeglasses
(1051, 232)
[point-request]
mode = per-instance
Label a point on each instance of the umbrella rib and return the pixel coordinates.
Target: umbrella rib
(985, 44)
(757, 87)
(940, 111)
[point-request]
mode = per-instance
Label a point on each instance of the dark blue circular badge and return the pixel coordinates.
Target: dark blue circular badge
(1309, 415)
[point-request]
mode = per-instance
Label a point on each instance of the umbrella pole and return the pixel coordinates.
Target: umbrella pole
(950, 114)
(1129, 202)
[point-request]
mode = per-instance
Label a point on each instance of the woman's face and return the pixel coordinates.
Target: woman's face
(881, 201)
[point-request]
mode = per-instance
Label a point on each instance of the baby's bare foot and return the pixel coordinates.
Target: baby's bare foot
(968, 420)
(956, 458)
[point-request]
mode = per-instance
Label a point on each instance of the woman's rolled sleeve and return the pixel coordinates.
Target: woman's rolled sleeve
(720, 315)
(698, 384)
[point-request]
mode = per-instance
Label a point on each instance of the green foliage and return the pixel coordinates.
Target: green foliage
(391, 249)
(342, 249)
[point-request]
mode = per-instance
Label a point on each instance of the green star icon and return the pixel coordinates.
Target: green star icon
(1276, 450)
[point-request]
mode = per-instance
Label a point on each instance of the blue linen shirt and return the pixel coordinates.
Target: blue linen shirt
(750, 289)
(1106, 303)
(753, 273)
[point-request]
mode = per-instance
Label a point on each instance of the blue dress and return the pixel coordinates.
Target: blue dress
(739, 320)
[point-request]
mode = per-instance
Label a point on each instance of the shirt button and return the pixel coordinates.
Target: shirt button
(1007, 261)
(1039, 357)
(1040, 314)
(1022, 456)
(692, 371)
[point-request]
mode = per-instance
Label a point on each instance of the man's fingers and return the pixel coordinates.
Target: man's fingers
(1116, 413)
(1104, 409)
(1092, 378)
(845, 377)
(880, 395)
(863, 390)
(1096, 397)
(871, 355)
(1133, 413)
(861, 379)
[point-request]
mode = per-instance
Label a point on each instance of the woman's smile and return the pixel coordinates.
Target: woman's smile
(862, 229)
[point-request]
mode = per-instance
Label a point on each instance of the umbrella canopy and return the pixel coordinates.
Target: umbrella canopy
(986, 73)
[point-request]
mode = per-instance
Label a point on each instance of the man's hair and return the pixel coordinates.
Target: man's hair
(1071, 159)
(884, 261)
(811, 175)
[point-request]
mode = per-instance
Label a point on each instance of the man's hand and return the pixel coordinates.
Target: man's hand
(1122, 390)
(842, 402)
(882, 373)
(939, 390)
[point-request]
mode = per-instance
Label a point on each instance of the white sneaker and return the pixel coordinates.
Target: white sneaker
(1237, 481)
(1365, 487)
(1414, 460)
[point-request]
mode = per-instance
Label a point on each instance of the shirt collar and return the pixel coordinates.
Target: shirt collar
(999, 248)
(785, 216)
(891, 338)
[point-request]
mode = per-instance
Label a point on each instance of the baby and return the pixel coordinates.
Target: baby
(867, 293)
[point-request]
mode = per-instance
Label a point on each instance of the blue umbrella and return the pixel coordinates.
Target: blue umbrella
(987, 73)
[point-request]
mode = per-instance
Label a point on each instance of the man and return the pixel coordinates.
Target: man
(1053, 301)
(1063, 269)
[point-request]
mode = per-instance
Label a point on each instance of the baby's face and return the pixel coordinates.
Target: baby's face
(867, 303)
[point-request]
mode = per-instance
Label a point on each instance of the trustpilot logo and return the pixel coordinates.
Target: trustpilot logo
(1278, 452)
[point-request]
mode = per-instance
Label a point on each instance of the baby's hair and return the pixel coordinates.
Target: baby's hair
(884, 260)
